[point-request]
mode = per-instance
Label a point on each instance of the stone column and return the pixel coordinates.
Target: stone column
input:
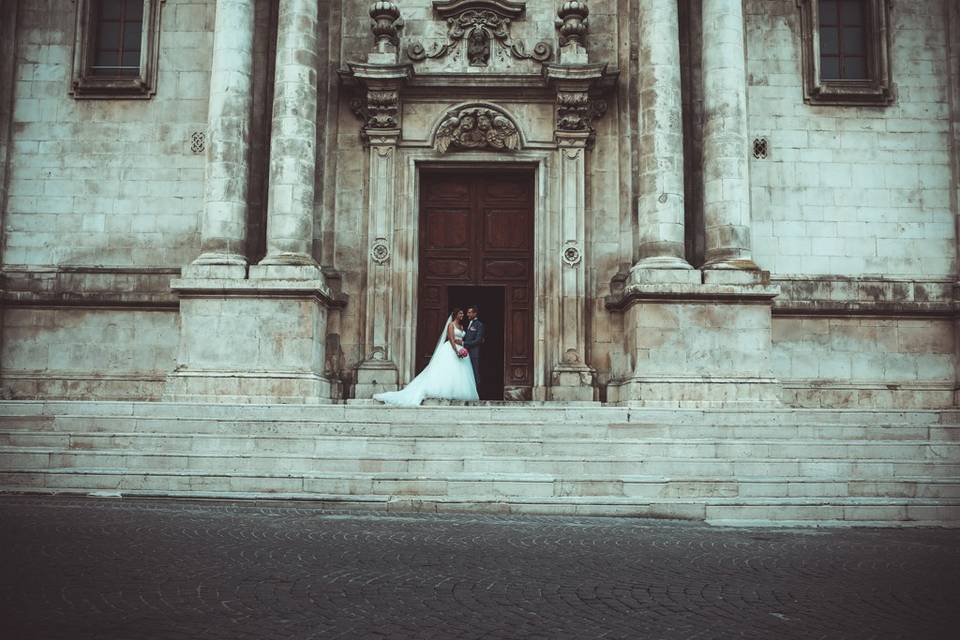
(660, 203)
(726, 199)
(223, 226)
(293, 141)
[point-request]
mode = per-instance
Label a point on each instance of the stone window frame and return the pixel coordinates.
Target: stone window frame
(141, 86)
(877, 90)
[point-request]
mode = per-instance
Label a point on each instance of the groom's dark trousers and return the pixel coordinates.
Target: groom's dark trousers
(472, 340)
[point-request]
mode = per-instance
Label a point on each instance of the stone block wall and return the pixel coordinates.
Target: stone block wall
(850, 190)
(854, 214)
(99, 191)
(84, 354)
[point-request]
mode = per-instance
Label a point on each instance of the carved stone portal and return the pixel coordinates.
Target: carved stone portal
(480, 22)
(476, 128)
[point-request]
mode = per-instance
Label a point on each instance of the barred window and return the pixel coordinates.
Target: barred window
(116, 48)
(845, 52)
(119, 28)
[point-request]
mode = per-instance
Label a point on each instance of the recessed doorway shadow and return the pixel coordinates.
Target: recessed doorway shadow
(491, 304)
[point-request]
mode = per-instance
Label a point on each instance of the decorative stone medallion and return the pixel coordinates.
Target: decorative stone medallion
(476, 127)
(380, 251)
(571, 254)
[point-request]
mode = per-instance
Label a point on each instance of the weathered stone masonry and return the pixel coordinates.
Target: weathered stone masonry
(240, 235)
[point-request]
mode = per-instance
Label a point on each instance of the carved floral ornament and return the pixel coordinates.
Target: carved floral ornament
(476, 127)
(380, 251)
(480, 23)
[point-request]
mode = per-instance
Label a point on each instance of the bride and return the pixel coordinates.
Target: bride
(448, 375)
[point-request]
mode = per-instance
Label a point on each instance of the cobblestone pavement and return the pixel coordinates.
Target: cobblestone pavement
(81, 568)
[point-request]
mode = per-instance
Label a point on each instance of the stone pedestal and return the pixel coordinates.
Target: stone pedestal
(697, 341)
(250, 341)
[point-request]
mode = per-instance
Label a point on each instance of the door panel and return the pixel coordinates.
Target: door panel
(476, 229)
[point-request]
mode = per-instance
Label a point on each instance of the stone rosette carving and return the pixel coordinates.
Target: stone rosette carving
(379, 109)
(380, 251)
(571, 255)
(476, 127)
(480, 23)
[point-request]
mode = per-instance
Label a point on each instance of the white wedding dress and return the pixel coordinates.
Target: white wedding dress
(446, 376)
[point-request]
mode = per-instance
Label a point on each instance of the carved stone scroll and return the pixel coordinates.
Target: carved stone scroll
(480, 23)
(476, 127)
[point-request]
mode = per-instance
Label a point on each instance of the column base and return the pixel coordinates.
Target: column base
(736, 264)
(662, 262)
(572, 383)
(248, 387)
(218, 258)
(282, 271)
(697, 344)
(251, 341)
(375, 376)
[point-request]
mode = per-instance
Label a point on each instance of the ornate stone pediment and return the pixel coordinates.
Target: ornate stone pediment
(476, 126)
(481, 24)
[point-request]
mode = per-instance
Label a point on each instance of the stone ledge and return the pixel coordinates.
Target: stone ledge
(679, 292)
(255, 288)
(838, 295)
(69, 286)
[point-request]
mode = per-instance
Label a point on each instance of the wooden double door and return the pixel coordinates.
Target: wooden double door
(476, 248)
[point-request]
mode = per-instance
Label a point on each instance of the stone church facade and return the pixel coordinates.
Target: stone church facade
(654, 202)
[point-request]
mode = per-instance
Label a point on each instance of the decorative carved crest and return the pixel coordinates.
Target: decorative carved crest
(480, 22)
(476, 127)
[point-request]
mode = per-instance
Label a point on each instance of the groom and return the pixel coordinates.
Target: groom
(472, 340)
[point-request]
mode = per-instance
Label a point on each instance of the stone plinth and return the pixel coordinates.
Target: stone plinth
(251, 341)
(697, 343)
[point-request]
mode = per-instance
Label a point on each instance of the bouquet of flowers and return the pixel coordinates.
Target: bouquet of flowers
(463, 353)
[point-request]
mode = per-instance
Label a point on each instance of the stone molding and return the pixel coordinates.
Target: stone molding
(480, 23)
(80, 286)
(258, 288)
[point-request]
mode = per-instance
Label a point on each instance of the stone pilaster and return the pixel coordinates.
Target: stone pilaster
(726, 199)
(660, 204)
(223, 225)
(572, 378)
(293, 142)
(380, 109)
(381, 81)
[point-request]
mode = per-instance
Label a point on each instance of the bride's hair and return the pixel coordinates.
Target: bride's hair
(454, 312)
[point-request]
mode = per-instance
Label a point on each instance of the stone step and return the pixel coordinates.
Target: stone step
(355, 445)
(511, 494)
(524, 431)
(501, 484)
(26, 459)
(520, 412)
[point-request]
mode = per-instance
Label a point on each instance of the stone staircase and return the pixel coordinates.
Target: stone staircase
(725, 466)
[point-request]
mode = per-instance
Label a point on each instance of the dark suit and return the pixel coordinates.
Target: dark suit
(472, 340)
